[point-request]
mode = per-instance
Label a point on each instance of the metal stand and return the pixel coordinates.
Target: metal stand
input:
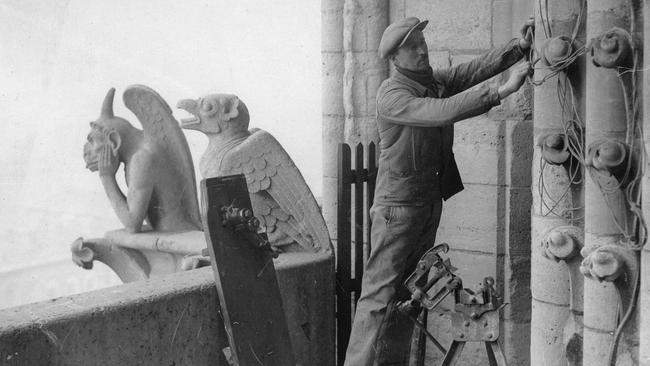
(475, 317)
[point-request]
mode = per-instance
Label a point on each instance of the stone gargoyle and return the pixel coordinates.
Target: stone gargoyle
(280, 197)
(160, 210)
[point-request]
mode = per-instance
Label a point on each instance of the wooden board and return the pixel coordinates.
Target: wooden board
(246, 282)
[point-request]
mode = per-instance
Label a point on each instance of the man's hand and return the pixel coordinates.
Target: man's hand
(517, 77)
(108, 162)
(527, 33)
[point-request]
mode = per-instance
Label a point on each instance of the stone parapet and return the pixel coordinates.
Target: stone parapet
(173, 319)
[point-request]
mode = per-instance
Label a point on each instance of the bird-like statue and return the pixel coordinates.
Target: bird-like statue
(280, 197)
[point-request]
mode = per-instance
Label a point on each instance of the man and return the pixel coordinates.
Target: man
(416, 110)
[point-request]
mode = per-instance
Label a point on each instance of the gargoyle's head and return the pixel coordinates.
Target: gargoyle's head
(106, 130)
(215, 113)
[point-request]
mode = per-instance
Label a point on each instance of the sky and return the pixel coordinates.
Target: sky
(58, 58)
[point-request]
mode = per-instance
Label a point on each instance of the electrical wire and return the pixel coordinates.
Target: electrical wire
(632, 191)
(637, 237)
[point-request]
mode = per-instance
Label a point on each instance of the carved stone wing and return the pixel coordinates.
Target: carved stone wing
(159, 125)
(283, 198)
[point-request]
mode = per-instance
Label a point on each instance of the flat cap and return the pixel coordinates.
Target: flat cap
(396, 34)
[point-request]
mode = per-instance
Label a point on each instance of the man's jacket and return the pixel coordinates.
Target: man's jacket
(416, 131)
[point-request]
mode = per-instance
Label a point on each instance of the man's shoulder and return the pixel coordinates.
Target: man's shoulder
(395, 83)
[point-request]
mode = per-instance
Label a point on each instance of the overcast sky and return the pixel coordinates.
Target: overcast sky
(58, 58)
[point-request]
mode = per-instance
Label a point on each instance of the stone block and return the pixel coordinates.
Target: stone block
(547, 334)
(521, 11)
(516, 288)
(452, 25)
(332, 25)
(332, 83)
(602, 211)
(471, 219)
(546, 95)
(519, 153)
(596, 348)
(478, 147)
(600, 303)
(515, 342)
(373, 82)
(518, 226)
(396, 10)
(376, 22)
(363, 129)
(359, 69)
(501, 21)
(333, 134)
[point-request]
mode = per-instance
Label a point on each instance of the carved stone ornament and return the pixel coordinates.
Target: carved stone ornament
(159, 210)
(281, 199)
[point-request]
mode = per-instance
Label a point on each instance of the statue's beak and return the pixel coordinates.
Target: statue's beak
(192, 107)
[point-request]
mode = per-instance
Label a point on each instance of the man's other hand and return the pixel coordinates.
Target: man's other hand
(527, 33)
(517, 77)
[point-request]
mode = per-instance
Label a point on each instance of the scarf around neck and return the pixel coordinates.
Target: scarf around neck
(424, 77)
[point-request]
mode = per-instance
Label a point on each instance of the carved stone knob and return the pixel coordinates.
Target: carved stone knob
(557, 51)
(554, 148)
(562, 243)
(608, 262)
(612, 49)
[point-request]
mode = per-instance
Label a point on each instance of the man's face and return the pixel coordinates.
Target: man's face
(413, 54)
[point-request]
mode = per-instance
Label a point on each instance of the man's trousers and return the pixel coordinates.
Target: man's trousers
(400, 235)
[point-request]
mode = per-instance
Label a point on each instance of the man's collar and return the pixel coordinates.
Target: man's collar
(398, 76)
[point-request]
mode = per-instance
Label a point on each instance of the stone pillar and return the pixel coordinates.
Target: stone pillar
(644, 302)
(556, 301)
(352, 72)
(607, 216)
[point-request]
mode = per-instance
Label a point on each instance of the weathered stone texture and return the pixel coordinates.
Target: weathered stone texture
(547, 326)
(471, 219)
(452, 25)
(169, 320)
(550, 280)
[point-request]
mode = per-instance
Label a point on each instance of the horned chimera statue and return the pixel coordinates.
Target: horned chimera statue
(161, 187)
(159, 210)
(280, 197)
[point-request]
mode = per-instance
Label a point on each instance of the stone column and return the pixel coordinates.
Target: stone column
(557, 307)
(644, 302)
(607, 216)
(352, 72)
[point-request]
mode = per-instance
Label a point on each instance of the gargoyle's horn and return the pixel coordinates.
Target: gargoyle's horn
(107, 106)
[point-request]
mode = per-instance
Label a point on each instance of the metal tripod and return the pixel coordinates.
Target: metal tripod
(475, 317)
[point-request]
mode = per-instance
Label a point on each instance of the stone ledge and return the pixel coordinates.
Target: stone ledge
(171, 319)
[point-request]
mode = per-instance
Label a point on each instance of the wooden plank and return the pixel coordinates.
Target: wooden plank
(247, 286)
(359, 210)
(343, 270)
